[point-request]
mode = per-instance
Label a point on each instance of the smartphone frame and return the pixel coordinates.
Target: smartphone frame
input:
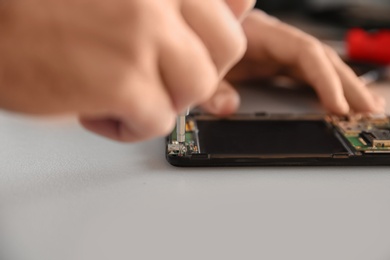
(349, 158)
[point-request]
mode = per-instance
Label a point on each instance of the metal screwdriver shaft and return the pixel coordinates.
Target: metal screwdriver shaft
(181, 130)
(181, 126)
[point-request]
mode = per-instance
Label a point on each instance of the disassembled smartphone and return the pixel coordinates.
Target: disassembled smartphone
(281, 140)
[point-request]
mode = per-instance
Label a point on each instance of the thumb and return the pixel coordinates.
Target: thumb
(225, 100)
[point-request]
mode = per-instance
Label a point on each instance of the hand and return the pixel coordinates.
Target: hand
(126, 67)
(274, 48)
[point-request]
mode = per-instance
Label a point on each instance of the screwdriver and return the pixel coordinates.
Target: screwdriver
(181, 130)
(369, 46)
(366, 46)
(181, 126)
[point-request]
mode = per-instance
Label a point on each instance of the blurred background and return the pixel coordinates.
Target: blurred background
(359, 30)
(368, 14)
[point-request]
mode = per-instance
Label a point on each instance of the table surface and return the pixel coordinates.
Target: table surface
(68, 194)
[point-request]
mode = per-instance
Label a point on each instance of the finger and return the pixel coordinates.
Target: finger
(240, 8)
(186, 67)
(356, 92)
(114, 129)
(302, 52)
(319, 72)
(381, 101)
(124, 131)
(138, 110)
(109, 128)
(219, 30)
(225, 101)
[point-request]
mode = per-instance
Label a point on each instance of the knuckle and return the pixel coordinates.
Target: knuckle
(205, 88)
(236, 47)
(330, 50)
(195, 89)
(154, 120)
(310, 52)
(164, 125)
(311, 46)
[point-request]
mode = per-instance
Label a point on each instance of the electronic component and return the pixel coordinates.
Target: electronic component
(366, 133)
(188, 142)
(376, 138)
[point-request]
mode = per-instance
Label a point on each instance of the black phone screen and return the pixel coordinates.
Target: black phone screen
(268, 137)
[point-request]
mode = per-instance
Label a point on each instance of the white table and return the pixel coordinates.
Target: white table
(67, 194)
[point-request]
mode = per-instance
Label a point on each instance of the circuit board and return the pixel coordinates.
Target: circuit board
(191, 144)
(366, 133)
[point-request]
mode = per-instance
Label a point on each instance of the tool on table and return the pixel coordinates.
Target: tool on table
(369, 46)
(365, 46)
(367, 52)
(181, 130)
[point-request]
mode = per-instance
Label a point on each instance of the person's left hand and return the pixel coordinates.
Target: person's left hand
(274, 48)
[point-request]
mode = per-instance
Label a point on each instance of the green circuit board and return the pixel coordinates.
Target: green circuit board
(366, 133)
(191, 144)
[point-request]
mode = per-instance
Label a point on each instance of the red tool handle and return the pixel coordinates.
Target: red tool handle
(369, 47)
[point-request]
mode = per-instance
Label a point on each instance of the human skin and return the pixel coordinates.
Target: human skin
(275, 47)
(127, 68)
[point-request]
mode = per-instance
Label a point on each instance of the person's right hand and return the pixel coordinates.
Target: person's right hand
(126, 67)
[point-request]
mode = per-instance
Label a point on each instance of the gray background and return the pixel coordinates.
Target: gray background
(67, 194)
